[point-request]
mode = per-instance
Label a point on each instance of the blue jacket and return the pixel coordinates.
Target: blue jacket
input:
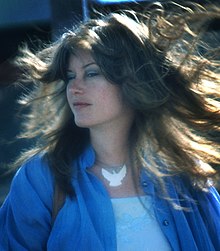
(86, 223)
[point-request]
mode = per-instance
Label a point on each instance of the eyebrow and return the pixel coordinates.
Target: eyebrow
(88, 64)
(84, 66)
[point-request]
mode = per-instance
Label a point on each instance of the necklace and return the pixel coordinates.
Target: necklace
(114, 176)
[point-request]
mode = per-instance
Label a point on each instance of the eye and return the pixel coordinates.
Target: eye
(92, 73)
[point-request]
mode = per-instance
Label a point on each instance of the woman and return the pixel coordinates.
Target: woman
(126, 114)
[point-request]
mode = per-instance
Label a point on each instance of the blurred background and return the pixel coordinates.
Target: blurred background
(32, 21)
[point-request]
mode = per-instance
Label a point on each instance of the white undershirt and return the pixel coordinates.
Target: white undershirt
(136, 226)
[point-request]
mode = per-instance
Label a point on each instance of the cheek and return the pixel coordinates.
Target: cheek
(111, 93)
(68, 96)
(112, 101)
(107, 98)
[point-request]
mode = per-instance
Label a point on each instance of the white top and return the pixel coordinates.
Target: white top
(136, 225)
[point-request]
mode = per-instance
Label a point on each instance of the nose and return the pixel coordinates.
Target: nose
(76, 86)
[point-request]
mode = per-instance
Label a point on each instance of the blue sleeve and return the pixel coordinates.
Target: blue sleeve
(204, 219)
(197, 226)
(25, 216)
(209, 204)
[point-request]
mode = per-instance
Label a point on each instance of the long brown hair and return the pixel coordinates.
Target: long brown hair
(156, 60)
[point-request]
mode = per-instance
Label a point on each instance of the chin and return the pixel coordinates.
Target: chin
(82, 124)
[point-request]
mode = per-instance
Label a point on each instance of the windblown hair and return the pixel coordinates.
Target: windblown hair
(166, 73)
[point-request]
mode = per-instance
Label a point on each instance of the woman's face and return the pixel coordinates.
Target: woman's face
(94, 101)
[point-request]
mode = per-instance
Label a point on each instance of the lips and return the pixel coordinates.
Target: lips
(80, 104)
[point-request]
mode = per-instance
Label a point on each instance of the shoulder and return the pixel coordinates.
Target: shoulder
(25, 216)
(33, 178)
(201, 209)
(205, 198)
(209, 201)
(36, 166)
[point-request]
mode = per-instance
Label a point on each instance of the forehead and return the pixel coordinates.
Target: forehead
(80, 58)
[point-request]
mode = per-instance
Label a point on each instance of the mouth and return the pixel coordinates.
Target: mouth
(80, 105)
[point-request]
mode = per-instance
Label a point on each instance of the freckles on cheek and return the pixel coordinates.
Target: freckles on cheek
(106, 100)
(103, 95)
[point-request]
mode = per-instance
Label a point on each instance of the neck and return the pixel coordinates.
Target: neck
(111, 146)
